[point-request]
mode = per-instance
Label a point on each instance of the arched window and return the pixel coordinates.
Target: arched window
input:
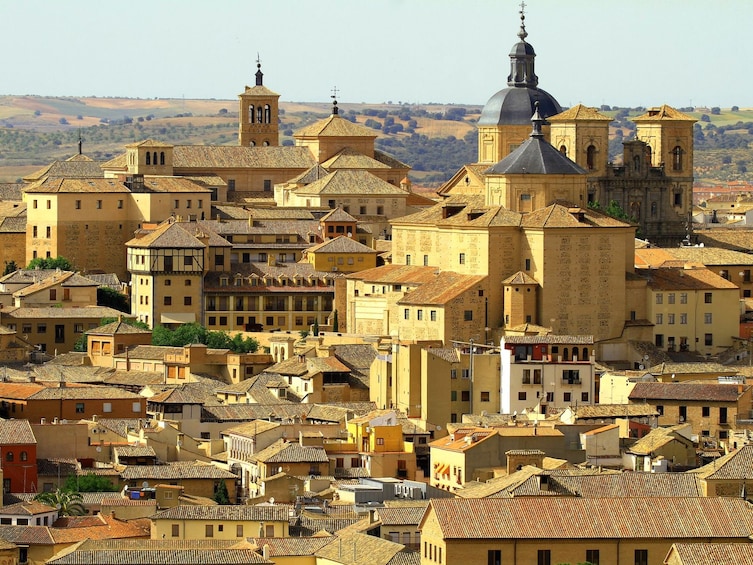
(24, 456)
(267, 114)
(575, 353)
(9, 456)
(162, 158)
(251, 113)
(585, 353)
(637, 163)
(677, 159)
(648, 155)
(154, 157)
(563, 150)
(265, 143)
(260, 114)
(654, 209)
(148, 158)
(591, 157)
(252, 143)
(566, 354)
(635, 210)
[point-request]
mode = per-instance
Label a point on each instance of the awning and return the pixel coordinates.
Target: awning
(178, 318)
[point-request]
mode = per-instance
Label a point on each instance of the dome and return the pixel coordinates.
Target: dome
(515, 105)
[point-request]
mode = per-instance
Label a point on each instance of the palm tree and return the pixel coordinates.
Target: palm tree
(67, 502)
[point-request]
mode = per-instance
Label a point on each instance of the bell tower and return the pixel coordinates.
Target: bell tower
(258, 114)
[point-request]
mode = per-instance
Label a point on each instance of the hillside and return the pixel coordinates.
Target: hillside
(435, 140)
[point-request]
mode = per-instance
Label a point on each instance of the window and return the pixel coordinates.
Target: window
(567, 396)
(683, 298)
(707, 297)
(99, 204)
(683, 318)
(641, 557)
(426, 260)
(433, 315)
(707, 318)
(107, 407)
(41, 328)
(670, 318)
(49, 204)
(544, 557)
(591, 157)
(592, 556)
(120, 204)
(584, 397)
(461, 259)
(708, 339)
(705, 411)
(239, 530)
(187, 282)
(659, 319)
(484, 396)
(78, 204)
(677, 158)
(528, 265)
(48, 232)
(465, 395)
(419, 315)
(34, 232)
(453, 396)
(659, 340)
(407, 259)
(453, 373)
(521, 396)
(26, 328)
(465, 373)
(494, 557)
(9, 456)
(468, 315)
(175, 530)
(168, 300)
(78, 328)
(186, 301)
(209, 531)
(79, 407)
(406, 314)
(136, 407)
(659, 298)
(267, 185)
(380, 441)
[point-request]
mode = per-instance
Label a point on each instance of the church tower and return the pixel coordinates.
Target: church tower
(258, 114)
(505, 120)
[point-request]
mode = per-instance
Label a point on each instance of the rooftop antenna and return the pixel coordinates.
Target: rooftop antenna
(334, 101)
(259, 74)
(80, 142)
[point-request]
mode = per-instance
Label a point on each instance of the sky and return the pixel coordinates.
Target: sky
(594, 52)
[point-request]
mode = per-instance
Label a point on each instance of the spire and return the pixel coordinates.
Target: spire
(335, 111)
(537, 121)
(80, 143)
(259, 74)
(522, 57)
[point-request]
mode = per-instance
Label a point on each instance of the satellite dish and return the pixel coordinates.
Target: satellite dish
(145, 484)
(99, 449)
(271, 499)
(641, 367)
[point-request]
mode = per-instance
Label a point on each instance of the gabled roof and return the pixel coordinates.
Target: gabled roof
(396, 274)
(77, 166)
(341, 244)
(283, 452)
(175, 471)
(335, 126)
(16, 432)
(118, 327)
(444, 288)
(349, 158)
(656, 439)
(337, 215)
(355, 548)
(225, 512)
(685, 279)
(234, 157)
(49, 185)
(26, 508)
(167, 236)
(564, 215)
(314, 173)
(711, 553)
(735, 466)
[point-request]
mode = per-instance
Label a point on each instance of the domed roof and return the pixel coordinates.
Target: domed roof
(516, 104)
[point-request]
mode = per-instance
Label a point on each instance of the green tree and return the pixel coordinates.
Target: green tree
(316, 326)
(195, 333)
(107, 296)
(50, 263)
(68, 503)
(221, 495)
(89, 483)
(10, 267)
(335, 323)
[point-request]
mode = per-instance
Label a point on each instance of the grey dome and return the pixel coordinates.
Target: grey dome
(515, 105)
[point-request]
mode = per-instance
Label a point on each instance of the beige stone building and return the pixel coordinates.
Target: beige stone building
(220, 522)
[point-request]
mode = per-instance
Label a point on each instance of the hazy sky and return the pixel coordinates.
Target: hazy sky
(617, 52)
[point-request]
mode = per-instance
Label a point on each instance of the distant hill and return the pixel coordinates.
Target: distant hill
(434, 139)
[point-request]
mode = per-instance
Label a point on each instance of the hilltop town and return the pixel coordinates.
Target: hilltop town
(284, 353)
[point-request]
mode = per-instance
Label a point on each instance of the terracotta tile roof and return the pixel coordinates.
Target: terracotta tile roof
(579, 112)
(663, 112)
(79, 166)
(16, 432)
(13, 225)
(595, 411)
(117, 328)
(335, 126)
(663, 278)
(396, 274)
(735, 239)
(27, 535)
(615, 485)
(447, 354)
(73, 185)
(712, 553)
(246, 412)
(82, 313)
(173, 471)
(233, 157)
(354, 548)
(168, 235)
(709, 392)
(337, 215)
(736, 465)
(656, 439)
(458, 442)
(162, 552)
(84, 393)
(443, 289)
(389, 160)
(98, 527)
(284, 452)
(27, 508)
(349, 158)
(402, 515)
(593, 518)
(288, 547)
(350, 181)
(341, 244)
(711, 256)
(135, 451)
(498, 484)
(264, 513)
(563, 215)
(121, 501)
